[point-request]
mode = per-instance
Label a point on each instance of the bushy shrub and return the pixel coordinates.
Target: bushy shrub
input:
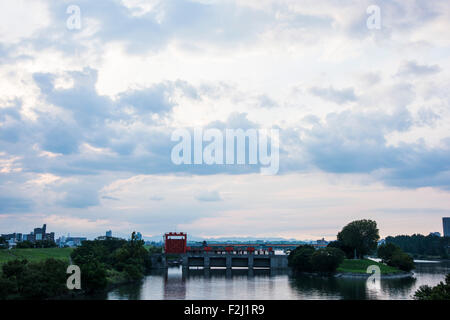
(385, 251)
(438, 292)
(393, 256)
(348, 251)
(96, 257)
(39, 280)
(402, 260)
(300, 258)
(327, 259)
(307, 259)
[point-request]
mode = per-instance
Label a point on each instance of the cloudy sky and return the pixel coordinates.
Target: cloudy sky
(86, 115)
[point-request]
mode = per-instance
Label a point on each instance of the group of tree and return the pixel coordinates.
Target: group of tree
(394, 256)
(305, 258)
(3, 243)
(98, 258)
(438, 292)
(419, 245)
(36, 244)
(21, 279)
(357, 239)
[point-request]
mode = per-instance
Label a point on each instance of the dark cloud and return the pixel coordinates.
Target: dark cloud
(412, 68)
(14, 204)
(354, 142)
(339, 96)
(208, 196)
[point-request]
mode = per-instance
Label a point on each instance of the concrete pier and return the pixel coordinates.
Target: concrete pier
(234, 260)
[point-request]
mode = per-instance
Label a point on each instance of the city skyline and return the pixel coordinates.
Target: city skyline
(91, 93)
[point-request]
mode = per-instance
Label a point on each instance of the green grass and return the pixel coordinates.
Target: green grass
(5, 256)
(360, 266)
(35, 255)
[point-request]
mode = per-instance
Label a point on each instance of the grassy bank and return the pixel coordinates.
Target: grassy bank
(360, 266)
(35, 255)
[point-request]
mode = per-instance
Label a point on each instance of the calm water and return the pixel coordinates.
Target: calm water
(265, 284)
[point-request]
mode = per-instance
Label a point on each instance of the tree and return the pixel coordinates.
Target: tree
(96, 258)
(393, 256)
(402, 260)
(39, 280)
(385, 252)
(132, 258)
(422, 246)
(438, 292)
(327, 259)
(25, 245)
(361, 236)
(3, 243)
(93, 276)
(349, 252)
(300, 258)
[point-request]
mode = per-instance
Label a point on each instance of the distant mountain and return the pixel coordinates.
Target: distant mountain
(224, 239)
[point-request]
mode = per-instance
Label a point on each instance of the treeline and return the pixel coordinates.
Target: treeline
(112, 260)
(422, 246)
(305, 258)
(394, 256)
(356, 240)
(28, 244)
(37, 244)
(102, 263)
(21, 279)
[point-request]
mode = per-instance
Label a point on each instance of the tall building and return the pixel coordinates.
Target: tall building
(446, 226)
(39, 234)
(109, 234)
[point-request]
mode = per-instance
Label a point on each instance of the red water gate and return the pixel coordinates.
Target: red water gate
(175, 242)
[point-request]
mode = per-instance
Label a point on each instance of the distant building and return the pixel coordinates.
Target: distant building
(38, 234)
(446, 226)
(75, 241)
(70, 241)
(107, 236)
(138, 236)
(15, 237)
(322, 242)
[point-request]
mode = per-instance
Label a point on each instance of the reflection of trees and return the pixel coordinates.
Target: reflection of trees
(316, 287)
(131, 291)
(398, 287)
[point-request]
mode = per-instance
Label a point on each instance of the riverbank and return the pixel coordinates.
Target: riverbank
(358, 268)
(35, 254)
(351, 275)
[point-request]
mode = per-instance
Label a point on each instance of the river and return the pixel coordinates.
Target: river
(199, 284)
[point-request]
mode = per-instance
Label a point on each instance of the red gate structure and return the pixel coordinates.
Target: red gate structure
(175, 242)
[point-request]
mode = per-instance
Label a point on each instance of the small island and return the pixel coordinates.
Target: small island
(347, 256)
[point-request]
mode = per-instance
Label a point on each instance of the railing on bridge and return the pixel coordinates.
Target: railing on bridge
(228, 250)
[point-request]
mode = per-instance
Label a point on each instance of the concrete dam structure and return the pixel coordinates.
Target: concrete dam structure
(219, 256)
(234, 260)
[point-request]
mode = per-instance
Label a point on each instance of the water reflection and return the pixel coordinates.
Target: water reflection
(174, 284)
(203, 284)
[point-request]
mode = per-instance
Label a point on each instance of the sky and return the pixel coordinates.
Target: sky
(91, 92)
